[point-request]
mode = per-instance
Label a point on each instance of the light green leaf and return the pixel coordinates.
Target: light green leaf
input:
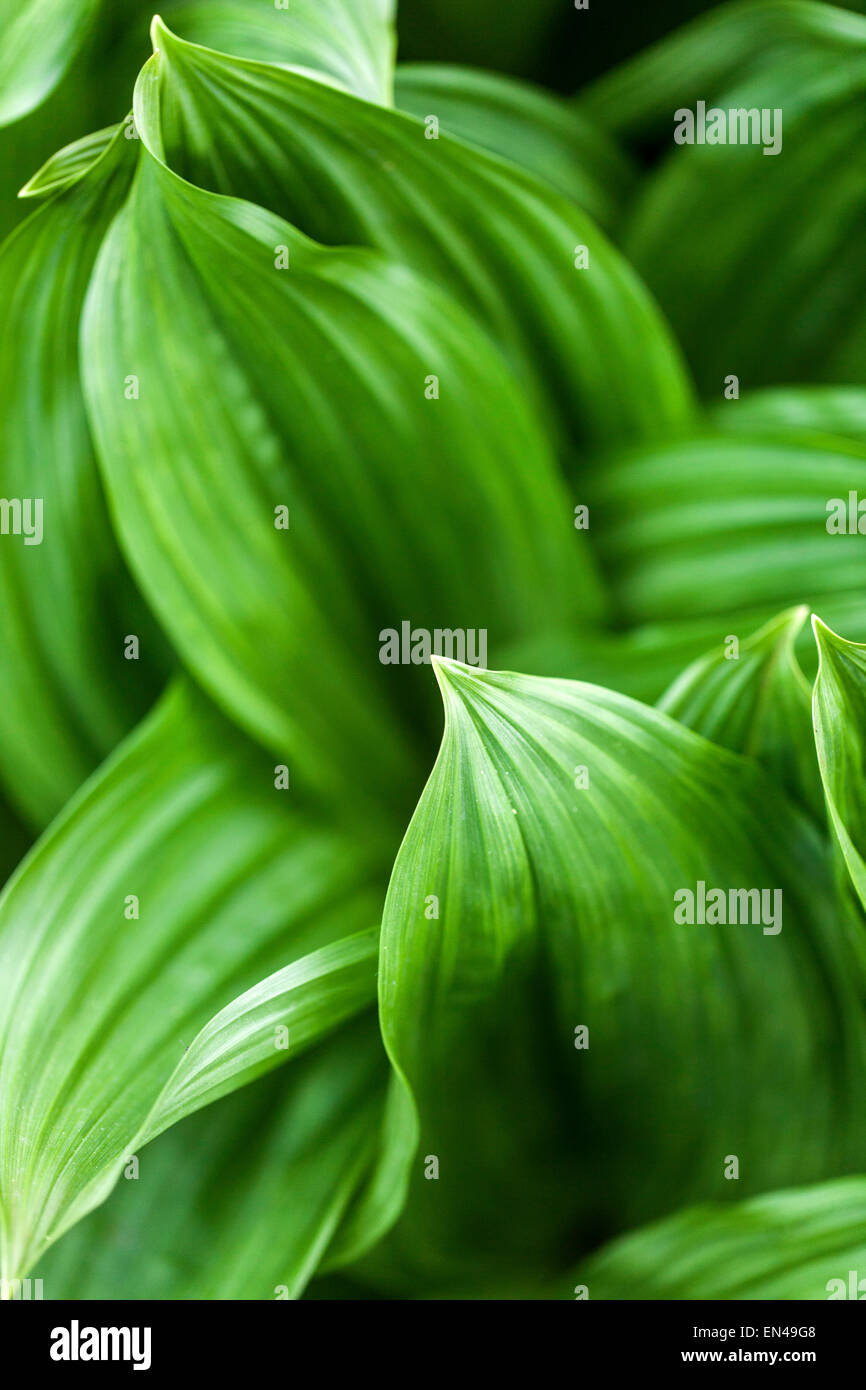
(533, 896)
(588, 344)
(351, 42)
(312, 995)
(67, 691)
(525, 125)
(799, 1244)
(243, 1200)
(839, 713)
(173, 882)
(68, 165)
(38, 41)
(754, 699)
(839, 410)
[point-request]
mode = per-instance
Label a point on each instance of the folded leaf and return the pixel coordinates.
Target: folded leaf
(584, 1052)
(753, 698)
(525, 125)
(587, 342)
(309, 395)
(68, 693)
(800, 1244)
(350, 42)
(173, 882)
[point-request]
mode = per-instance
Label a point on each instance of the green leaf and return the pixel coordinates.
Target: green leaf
(839, 410)
(308, 389)
(172, 883)
(243, 1200)
(311, 996)
(786, 1245)
(38, 41)
(708, 56)
(791, 264)
(755, 700)
(351, 42)
(68, 165)
(728, 525)
(524, 125)
(839, 713)
(535, 895)
(67, 693)
(588, 345)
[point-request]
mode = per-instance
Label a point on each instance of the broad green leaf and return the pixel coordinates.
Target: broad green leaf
(242, 1200)
(38, 41)
(708, 56)
(309, 388)
(350, 42)
(67, 691)
(535, 895)
(798, 1244)
(839, 410)
(588, 344)
(729, 525)
(753, 698)
(791, 264)
(173, 882)
(525, 125)
(839, 713)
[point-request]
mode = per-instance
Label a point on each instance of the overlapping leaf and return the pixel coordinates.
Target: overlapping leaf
(753, 698)
(588, 344)
(534, 896)
(310, 391)
(172, 883)
(243, 1200)
(67, 691)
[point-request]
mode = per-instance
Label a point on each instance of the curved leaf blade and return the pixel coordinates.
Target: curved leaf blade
(174, 881)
